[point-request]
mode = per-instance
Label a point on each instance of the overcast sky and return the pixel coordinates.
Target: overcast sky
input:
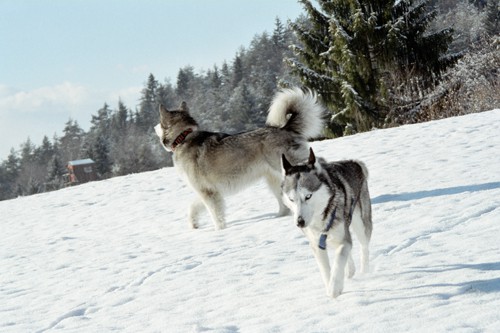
(66, 58)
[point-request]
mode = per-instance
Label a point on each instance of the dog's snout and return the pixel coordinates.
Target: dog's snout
(300, 222)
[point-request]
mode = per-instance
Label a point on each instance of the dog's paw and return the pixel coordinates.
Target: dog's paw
(351, 270)
(334, 293)
(335, 289)
(193, 225)
(220, 226)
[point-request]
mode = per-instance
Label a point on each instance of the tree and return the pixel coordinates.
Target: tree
(9, 174)
(101, 123)
(349, 47)
(279, 35)
(100, 154)
(185, 83)
(120, 117)
(492, 18)
(148, 107)
(70, 144)
(31, 176)
(241, 108)
(165, 95)
(44, 153)
(55, 173)
(237, 71)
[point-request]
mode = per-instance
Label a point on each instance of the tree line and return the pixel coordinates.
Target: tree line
(374, 64)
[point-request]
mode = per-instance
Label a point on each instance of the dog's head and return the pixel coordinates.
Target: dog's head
(303, 190)
(173, 123)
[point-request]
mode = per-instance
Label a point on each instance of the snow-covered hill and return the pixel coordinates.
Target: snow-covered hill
(117, 255)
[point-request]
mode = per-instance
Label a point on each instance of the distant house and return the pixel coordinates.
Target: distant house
(81, 171)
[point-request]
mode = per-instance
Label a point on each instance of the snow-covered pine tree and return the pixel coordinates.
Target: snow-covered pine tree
(147, 115)
(414, 46)
(55, 172)
(492, 19)
(348, 46)
(100, 155)
(237, 71)
(9, 173)
(70, 144)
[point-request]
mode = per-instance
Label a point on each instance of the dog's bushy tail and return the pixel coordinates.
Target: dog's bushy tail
(297, 111)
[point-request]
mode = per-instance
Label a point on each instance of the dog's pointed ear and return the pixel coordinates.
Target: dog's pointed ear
(285, 165)
(162, 109)
(312, 158)
(164, 114)
(184, 107)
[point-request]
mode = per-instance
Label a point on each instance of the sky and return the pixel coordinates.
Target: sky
(64, 59)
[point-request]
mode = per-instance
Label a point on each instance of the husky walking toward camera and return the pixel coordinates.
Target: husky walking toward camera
(327, 201)
(218, 164)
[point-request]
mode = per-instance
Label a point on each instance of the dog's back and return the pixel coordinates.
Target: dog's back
(352, 177)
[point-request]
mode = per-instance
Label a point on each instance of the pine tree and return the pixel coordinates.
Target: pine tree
(30, 174)
(185, 83)
(165, 95)
(148, 108)
(44, 153)
(492, 24)
(241, 108)
(120, 118)
(55, 173)
(70, 144)
(348, 46)
(100, 155)
(101, 123)
(9, 174)
(279, 35)
(237, 71)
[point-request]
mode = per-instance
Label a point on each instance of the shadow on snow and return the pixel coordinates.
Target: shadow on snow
(409, 196)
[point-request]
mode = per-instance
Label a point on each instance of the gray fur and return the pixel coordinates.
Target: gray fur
(218, 164)
(314, 191)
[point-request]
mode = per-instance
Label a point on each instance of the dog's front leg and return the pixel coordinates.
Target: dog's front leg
(194, 213)
(321, 257)
(337, 276)
(215, 204)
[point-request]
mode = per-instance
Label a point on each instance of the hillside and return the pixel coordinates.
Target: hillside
(117, 255)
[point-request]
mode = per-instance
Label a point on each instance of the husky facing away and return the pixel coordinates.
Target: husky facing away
(327, 200)
(218, 164)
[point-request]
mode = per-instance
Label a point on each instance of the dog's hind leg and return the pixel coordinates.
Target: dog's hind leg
(215, 204)
(273, 180)
(363, 235)
(351, 268)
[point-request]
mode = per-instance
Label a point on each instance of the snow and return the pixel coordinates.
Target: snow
(81, 162)
(117, 255)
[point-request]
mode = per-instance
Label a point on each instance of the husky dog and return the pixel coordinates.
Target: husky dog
(217, 164)
(327, 199)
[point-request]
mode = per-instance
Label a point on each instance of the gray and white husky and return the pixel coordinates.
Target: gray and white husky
(217, 164)
(327, 201)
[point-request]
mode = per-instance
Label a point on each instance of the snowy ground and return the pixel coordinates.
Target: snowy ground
(117, 255)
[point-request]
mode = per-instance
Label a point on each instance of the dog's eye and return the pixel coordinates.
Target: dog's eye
(291, 200)
(308, 196)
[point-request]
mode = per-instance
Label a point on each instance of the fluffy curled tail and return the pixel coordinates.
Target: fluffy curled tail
(297, 111)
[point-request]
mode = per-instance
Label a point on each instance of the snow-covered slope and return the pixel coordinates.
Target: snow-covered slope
(118, 255)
